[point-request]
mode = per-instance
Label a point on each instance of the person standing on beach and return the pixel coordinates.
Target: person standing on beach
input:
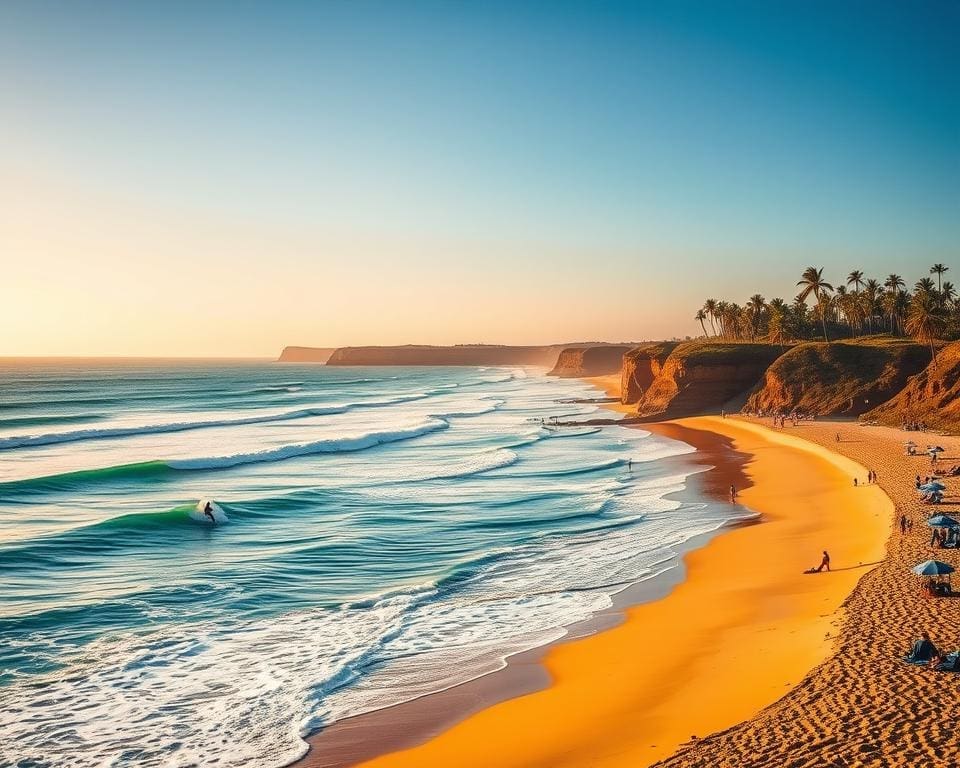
(825, 563)
(733, 493)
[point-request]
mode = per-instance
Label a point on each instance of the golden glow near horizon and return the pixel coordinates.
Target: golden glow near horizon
(93, 274)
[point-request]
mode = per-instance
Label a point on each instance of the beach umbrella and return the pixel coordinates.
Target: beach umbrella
(942, 521)
(933, 568)
(934, 449)
(932, 486)
(909, 443)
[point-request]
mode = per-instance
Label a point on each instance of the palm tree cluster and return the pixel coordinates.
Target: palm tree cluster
(860, 306)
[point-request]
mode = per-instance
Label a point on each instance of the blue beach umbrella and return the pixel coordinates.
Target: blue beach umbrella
(932, 568)
(934, 486)
(942, 521)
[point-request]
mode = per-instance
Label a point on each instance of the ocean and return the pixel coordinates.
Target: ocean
(381, 534)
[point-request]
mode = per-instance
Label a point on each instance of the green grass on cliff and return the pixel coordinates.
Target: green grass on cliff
(727, 352)
(843, 377)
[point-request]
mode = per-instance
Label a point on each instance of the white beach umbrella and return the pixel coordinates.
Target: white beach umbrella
(932, 568)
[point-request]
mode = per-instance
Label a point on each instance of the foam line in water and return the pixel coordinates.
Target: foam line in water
(22, 441)
(333, 445)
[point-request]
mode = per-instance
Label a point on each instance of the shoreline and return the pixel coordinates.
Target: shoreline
(479, 723)
(356, 740)
(636, 693)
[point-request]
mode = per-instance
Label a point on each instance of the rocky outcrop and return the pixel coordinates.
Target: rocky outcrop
(843, 378)
(590, 361)
(305, 354)
(932, 396)
(704, 376)
(641, 365)
(461, 354)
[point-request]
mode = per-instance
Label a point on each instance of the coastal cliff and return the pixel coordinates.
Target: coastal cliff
(641, 365)
(462, 354)
(305, 354)
(841, 378)
(931, 396)
(590, 361)
(704, 376)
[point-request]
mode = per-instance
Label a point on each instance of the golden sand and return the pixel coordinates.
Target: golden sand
(743, 628)
(863, 706)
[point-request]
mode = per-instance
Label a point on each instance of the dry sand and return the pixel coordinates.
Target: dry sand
(744, 627)
(863, 706)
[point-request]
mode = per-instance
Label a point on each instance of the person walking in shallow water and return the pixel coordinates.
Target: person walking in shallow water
(733, 493)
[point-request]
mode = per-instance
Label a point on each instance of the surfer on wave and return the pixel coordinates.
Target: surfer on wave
(208, 511)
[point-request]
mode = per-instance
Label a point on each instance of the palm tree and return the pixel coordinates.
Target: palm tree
(947, 293)
(777, 328)
(701, 316)
(925, 321)
(710, 307)
(855, 278)
(925, 285)
(812, 282)
(938, 270)
(755, 308)
(893, 284)
(871, 290)
(723, 310)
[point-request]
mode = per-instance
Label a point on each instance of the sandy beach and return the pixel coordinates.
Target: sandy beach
(743, 628)
(863, 706)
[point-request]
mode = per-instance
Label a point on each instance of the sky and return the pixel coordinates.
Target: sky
(224, 179)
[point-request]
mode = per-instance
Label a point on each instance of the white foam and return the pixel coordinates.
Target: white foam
(52, 438)
(356, 442)
(199, 513)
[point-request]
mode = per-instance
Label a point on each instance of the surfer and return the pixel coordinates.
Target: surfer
(208, 511)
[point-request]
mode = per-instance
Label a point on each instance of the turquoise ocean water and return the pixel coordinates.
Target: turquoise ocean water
(385, 533)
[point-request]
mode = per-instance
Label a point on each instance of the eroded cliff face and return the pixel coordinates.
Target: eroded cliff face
(641, 365)
(590, 361)
(931, 396)
(466, 354)
(703, 377)
(305, 354)
(843, 378)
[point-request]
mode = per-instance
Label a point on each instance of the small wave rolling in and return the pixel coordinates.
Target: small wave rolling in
(384, 534)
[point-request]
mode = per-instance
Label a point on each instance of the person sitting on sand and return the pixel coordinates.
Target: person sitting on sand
(923, 650)
(824, 563)
(208, 511)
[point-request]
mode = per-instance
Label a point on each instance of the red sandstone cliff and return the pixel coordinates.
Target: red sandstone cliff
(641, 365)
(305, 354)
(702, 376)
(590, 361)
(461, 354)
(932, 396)
(841, 378)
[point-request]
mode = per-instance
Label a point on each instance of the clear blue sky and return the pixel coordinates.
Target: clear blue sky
(629, 158)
